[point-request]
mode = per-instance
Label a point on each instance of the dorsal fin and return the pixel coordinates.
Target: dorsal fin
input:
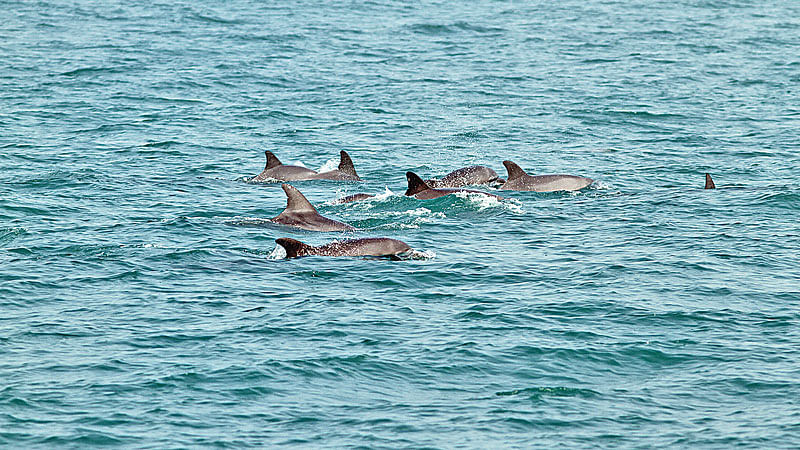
(295, 201)
(346, 164)
(415, 184)
(709, 182)
(293, 247)
(514, 171)
(272, 160)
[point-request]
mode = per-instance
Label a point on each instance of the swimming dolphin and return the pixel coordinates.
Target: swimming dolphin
(710, 183)
(353, 247)
(419, 189)
(299, 213)
(465, 176)
(345, 172)
(277, 171)
(353, 198)
(518, 180)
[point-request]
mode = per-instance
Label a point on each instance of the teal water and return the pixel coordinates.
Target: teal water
(144, 303)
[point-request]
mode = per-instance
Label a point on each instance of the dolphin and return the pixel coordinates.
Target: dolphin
(277, 171)
(299, 213)
(420, 189)
(518, 180)
(465, 176)
(353, 198)
(345, 172)
(710, 183)
(353, 247)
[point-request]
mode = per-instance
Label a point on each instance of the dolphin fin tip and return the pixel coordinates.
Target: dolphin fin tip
(709, 182)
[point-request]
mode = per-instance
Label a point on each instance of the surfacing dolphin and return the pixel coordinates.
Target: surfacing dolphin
(353, 247)
(518, 180)
(709, 183)
(419, 189)
(466, 176)
(275, 170)
(345, 172)
(353, 198)
(299, 213)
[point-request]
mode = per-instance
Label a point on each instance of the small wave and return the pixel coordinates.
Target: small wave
(557, 391)
(8, 235)
(89, 71)
(433, 29)
(161, 144)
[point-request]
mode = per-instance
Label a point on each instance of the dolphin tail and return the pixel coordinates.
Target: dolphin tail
(293, 247)
(295, 201)
(272, 160)
(514, 171)
(346, 164)
(709, 182)
(415, 184)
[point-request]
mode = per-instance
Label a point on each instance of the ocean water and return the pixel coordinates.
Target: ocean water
(143, 302)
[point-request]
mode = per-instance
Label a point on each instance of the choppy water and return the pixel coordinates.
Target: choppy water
(142, 304)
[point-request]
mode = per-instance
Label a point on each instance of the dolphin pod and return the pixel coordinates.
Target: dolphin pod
(275, 170)
(518, 180)
(299, 213)
(352, 247)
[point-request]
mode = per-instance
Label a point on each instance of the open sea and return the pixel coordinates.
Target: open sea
(145, 304)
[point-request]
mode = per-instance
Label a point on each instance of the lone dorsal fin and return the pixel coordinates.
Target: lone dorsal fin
(272, 160)
(295, 201)
(346, 164)
(514, 171)
(415, 184)
(709, 182)
(293, 247)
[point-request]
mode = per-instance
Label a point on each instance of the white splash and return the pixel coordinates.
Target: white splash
(601, 185)
(486, 201)
(252, 221)
(154, 245)
(329, 165)
(419, 254)
(386, 194)
(277, 253)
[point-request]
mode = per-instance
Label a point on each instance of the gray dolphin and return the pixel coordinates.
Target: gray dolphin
(277, 171)
(353, 198)
(345, 172)
(518, 180)
(466, 176)
(353, 247)
(710, 183)
(299, 213)
(419, 189)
